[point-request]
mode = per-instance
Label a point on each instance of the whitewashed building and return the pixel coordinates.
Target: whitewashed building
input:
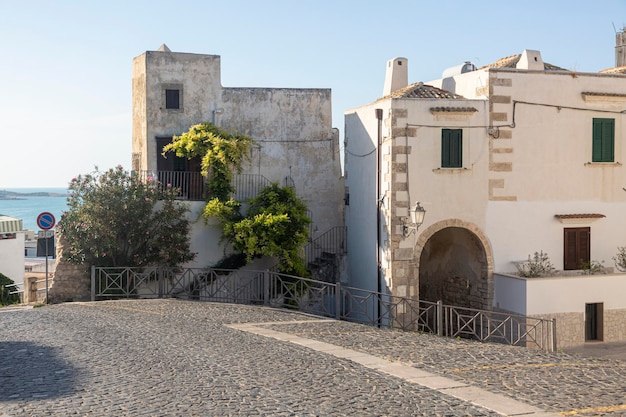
(506, 160)
(295, 142)
(12, 249)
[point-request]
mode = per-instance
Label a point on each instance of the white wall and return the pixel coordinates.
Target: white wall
(361, 141)
(534, 296)
(204, 238)
(12, 258)
(519, 229)
(448, 193)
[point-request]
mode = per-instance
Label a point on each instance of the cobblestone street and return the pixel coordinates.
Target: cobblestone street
(180, 358)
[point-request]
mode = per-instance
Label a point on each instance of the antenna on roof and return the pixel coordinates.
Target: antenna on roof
(614, 27)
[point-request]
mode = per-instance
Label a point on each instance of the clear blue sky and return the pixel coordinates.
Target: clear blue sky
(65, 66)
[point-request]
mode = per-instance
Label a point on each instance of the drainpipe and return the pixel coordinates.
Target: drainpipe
(379, 117)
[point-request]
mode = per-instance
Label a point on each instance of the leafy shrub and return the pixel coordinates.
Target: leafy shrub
(620, 259)
(5, 296)
(118, 219)
(592, 268)
(537, 266)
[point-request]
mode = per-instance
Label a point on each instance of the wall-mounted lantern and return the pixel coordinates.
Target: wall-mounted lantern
(416, 213)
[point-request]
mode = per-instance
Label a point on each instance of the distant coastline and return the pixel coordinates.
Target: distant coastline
(13, 195)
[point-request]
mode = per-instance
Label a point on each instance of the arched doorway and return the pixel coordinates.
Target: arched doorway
(455, 266)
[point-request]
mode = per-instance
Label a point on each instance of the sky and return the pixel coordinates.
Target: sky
(65, 66)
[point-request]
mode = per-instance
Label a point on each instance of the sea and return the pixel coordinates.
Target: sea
(28, 208)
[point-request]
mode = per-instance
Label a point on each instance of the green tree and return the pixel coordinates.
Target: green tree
(276, 225)
(5, 296)
(117, 219)
(222, 154)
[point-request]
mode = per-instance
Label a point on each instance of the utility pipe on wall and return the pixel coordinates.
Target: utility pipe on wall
(379, 288)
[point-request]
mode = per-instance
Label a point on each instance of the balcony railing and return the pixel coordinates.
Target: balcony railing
(192, 186)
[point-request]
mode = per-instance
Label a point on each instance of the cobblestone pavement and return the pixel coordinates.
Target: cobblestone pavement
(180, 358)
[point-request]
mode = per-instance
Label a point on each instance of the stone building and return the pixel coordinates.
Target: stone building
(295, 142)
(506, 160)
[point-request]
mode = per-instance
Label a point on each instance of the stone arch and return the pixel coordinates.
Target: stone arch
(455, 264)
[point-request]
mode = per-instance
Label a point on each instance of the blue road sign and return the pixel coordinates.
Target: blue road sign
(45, 220)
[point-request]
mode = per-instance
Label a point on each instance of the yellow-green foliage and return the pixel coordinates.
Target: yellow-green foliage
(222, 154)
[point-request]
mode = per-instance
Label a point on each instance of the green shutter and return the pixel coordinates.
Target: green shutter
(445, 148)
(451, 148)
(603, 142)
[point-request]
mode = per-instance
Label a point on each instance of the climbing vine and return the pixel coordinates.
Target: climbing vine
(222, 153)
(275, 224)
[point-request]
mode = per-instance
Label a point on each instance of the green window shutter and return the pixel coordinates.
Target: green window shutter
(603, 142)
(451, 148)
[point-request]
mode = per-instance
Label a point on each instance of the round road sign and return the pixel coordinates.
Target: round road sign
(45, 221)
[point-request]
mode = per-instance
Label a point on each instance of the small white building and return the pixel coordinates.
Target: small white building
(12, 249)
(513, 158)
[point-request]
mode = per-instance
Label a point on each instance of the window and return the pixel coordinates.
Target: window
(451, 148)
(172, 99)
(576, 247)
(603, 140)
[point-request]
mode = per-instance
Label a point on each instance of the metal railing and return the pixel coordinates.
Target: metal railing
(324, 299)
(191, 185)
(248, 185)
(332, 241)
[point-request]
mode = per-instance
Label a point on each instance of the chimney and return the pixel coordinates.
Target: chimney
(530, 60)
(620, 49)
(397, 75)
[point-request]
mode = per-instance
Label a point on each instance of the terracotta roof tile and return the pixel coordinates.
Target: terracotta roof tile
(615, 70)
(580, 216)
(453, 109)
(511, 62)
(421, 90)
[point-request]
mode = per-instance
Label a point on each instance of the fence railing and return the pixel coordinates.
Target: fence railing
(248, 185)
(191, 185)
(332, 241)
(325, 299)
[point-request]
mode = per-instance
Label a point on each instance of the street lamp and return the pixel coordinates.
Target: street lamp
(417, 214)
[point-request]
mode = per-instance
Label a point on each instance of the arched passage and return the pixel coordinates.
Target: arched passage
(455, 265)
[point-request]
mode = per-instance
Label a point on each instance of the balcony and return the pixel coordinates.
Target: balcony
(192, 186)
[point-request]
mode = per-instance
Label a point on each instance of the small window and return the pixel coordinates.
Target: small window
(451, 148)
(603, 144)
(172, 99)
(576, 249)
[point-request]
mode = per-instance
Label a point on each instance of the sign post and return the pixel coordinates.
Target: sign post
(46, 221)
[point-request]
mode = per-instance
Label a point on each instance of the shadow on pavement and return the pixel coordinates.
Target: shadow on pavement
(30, 371)
(608, 350)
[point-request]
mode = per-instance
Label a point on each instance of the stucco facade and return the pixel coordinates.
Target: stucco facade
(12, 239)
(525, 174)
(295, 141)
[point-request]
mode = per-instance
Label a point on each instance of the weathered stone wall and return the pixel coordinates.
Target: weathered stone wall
(570, 327)
(71, 282)
(615, 325)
